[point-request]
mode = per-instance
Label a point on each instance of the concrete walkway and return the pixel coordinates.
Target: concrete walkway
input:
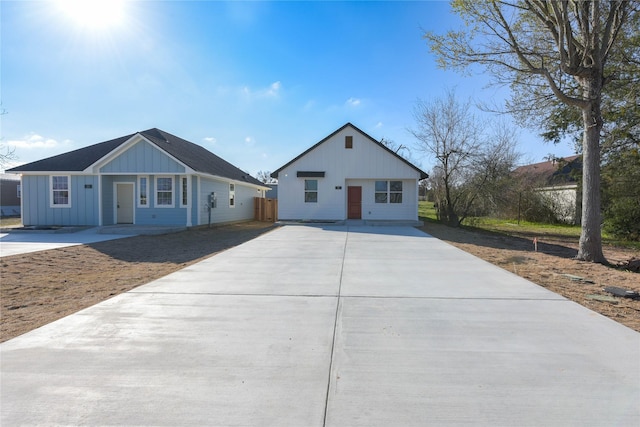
(328, 326)
(23, 242)
(16, 242)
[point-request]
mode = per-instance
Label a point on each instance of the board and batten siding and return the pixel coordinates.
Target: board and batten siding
(150, 215)
(361, 165)
(143, 158)
(37, 210)
(407, 210)
(223, 213)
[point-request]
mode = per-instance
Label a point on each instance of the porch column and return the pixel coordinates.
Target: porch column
(189, 200)
(100, 200)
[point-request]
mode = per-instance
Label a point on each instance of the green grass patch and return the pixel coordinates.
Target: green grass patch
(427, 212)
(524, 227)
(511, 227)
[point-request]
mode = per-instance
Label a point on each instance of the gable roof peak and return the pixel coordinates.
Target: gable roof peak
(423, 174)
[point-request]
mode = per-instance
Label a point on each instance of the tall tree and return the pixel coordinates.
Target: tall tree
(549, 51)
(265, 177)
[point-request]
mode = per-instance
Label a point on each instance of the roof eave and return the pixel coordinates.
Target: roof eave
(231, 180)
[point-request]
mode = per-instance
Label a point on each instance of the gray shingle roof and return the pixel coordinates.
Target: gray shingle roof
(194, 156)
(77, 160)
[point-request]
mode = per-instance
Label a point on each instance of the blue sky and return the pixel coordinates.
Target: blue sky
(256, 83)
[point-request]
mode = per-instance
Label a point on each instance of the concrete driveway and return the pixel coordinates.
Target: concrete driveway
(22, 242)
(328, 326)
(16, 242)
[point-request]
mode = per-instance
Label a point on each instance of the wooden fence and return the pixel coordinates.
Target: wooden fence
(265, 209)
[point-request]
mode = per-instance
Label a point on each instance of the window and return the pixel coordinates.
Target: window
(395, 193)
(184, 188)
(61, 191)
(348, 142)
(143, 192)
(232, 195)
(388, 192)
(19, 191)
(164, 192)
(381, 191)
(311, 191)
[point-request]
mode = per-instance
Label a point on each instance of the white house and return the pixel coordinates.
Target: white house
(348, 175)
(556, 182)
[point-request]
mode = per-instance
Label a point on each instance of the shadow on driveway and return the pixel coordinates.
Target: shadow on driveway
(182, 247)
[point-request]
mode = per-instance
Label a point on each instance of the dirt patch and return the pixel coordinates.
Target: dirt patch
(40, 287)
(554, 267)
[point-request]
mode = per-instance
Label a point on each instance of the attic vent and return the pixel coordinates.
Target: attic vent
(310, 174)
(348, 141)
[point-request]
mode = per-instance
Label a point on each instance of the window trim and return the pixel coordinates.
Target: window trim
(310, 191)
(232, 195)
(146, 191)
(173, 194)
(184, 191)
(389, 193)
(385, 192)
(395, 192)
(51, 192)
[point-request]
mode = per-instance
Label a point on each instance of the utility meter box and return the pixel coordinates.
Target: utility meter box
(213, 201)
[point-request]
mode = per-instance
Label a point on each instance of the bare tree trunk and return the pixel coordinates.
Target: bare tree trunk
(590, 246)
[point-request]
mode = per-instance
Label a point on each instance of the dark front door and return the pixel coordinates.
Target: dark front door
(354, 202)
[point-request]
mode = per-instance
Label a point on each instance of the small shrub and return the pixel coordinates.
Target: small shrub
(622, 219)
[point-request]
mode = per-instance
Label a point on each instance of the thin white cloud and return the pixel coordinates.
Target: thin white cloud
(249, 141)
(272, 91)
(353, 102)
(11, 164)
(210, 140)
(33, 141)
(378, 125)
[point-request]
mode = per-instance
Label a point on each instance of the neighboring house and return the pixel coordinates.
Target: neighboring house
(9, 195)
(147, 178)
(348, 175)
(556, 181)
(273, 192)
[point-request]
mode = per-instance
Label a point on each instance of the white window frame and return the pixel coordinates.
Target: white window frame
(146, 191)
(311, 191)
(376, 192)
(389, 193)
(232, 195)
(173, 191)
(184, 191)
(393, 192)
(51, 192)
